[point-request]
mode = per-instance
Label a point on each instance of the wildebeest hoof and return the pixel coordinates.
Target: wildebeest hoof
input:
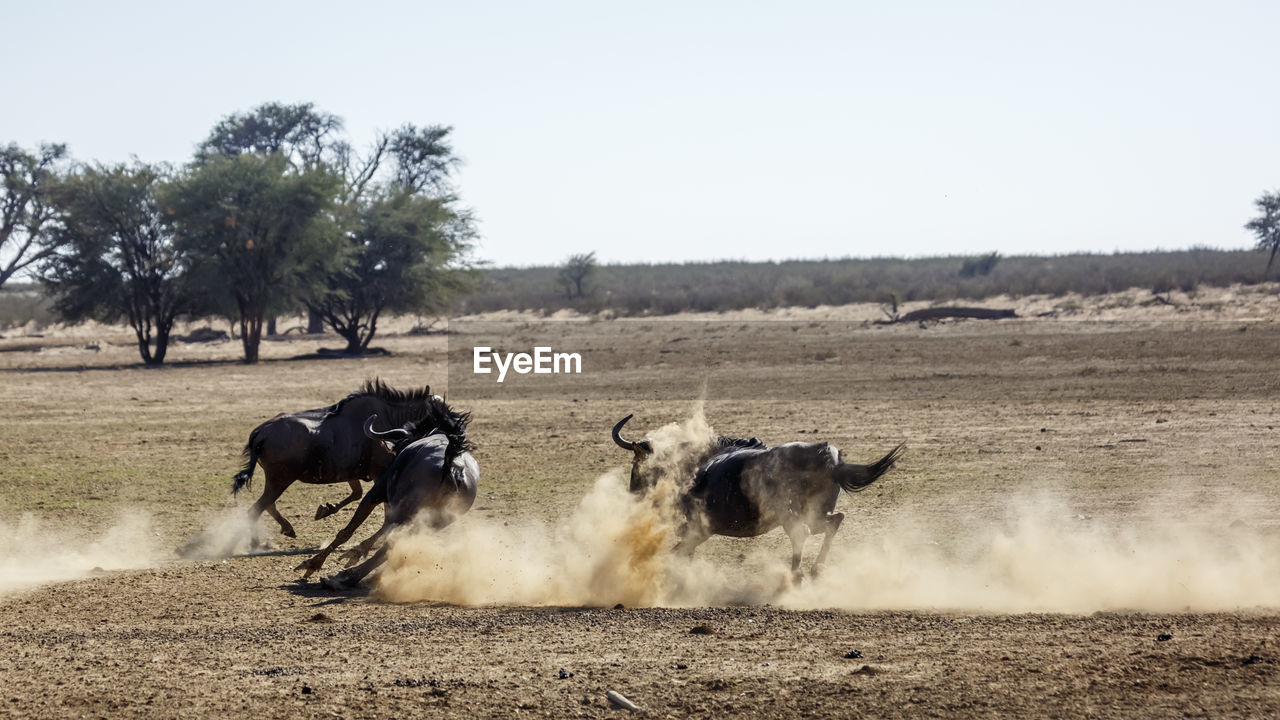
(337, 582)
(308, 567)
(288, 532)
(325, 510)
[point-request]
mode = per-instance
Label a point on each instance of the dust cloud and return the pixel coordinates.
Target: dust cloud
(229, 532)
(32, 553)
(615, 547)
(1045, 556)
(1038, 554)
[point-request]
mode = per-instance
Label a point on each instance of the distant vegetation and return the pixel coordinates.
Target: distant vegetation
(719, 286)
(276, 212)
(22, 303)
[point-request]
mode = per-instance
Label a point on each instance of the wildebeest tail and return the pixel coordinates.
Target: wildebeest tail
(853, 478)
(244, 478)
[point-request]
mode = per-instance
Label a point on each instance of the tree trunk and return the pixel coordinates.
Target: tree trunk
(144, 348)
(162, 343)
(250, 336)
(271, 326)
(354, 347)
(315, 322)
(373, 328)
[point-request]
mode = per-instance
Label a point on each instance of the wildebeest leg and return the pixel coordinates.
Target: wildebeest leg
(352, 556)
(375, 497)
(689, 541)
(798, 533)
(285, 527)
(272, 489)
(328, 509)
(351, 577)
(833, 524)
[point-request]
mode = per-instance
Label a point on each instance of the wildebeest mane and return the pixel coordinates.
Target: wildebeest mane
(396, 400)
(447, 421)
(724, 443)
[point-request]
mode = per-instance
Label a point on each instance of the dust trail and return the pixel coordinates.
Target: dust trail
(1047, 557)
(31, 553)
(229, 532)
(1033, 554)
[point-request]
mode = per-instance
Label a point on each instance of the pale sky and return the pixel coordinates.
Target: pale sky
(665, 131)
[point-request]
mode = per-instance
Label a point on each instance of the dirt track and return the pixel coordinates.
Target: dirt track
(1148, 422)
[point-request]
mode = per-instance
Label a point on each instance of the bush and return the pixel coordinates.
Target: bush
(21, 304)
(979, 266)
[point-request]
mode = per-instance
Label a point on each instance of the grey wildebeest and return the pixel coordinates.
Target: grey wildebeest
(687, 458)
(742, 488)
(326, 445)
(433, 478)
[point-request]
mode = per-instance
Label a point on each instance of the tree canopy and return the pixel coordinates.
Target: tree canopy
(304, 136)
(404, 235)
(575, 273)
(27, 213)
(1266, 227)
(261, 236)
(405, 249)
(116, 256)
(276, 211)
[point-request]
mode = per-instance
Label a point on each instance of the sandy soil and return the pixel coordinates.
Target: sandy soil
(1086, 523)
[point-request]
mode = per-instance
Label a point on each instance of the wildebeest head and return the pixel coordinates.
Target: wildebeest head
(681, 462)
(641, 450)
(440, 418)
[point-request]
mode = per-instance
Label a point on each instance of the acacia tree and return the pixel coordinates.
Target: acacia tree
(575, 273)
(406, 249)
(116, 255)
(259, 234)
(1266, 227)
(26, 212)
(305, 136)
(406, 232)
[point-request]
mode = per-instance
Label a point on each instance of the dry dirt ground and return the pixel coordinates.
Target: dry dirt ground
(1146, 424)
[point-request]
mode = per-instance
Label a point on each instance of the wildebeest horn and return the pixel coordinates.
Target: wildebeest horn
(392, 434)
(617, 436)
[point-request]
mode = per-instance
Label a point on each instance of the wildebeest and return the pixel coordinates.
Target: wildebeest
(687, 458)
(433, 474)
(741, 488)
(326, 445)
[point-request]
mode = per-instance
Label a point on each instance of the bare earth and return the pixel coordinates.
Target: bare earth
(1145, 422)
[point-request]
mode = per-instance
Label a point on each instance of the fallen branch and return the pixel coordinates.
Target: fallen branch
(938, 313)
(342, 353)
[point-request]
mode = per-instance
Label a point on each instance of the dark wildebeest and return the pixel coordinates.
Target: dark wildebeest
(743, 489)
(433, 474)
(326, 445)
